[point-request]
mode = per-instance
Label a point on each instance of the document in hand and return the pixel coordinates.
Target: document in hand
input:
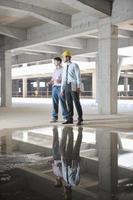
(73, 86)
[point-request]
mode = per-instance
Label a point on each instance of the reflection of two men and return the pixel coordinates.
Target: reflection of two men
(66, 164)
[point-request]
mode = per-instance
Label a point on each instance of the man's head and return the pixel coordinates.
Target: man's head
(57, 61)
(66, 56)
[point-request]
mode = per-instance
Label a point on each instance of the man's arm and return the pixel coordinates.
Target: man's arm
(50, 82)
(63, 82)
(78, 76)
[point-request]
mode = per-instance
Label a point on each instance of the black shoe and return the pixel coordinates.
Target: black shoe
(68, 122)
(58, 183)
(80, 122)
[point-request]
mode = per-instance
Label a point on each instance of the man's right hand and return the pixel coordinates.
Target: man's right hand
(48, 84)
(62, 93)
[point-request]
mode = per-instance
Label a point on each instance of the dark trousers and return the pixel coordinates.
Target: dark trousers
(70, 151)
(56, 147)
(70, 97)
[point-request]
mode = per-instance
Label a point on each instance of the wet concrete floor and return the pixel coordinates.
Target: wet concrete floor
(27, 157)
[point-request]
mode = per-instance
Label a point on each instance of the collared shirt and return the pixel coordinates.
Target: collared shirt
(57, 76)
(71, 175)
(73, 75)
(57, 168)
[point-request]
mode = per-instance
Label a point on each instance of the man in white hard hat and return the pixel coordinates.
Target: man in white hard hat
(70, 87)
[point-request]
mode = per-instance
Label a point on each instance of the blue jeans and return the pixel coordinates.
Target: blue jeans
(56, 145)
(56, 97)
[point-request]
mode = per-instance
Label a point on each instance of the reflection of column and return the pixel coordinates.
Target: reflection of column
(108, 167)
(6, 81)
(107, 67)
(24, 87)
(126, 83)
(6, 144)
(94, 84)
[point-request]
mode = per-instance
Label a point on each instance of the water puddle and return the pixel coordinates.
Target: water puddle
(83, 162)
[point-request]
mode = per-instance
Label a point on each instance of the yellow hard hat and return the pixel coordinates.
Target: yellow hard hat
(67, 53)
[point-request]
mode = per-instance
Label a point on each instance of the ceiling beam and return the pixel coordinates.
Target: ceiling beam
(25, 58)
(125, 33)
(95, 8)
(44, 49)
(89, 52)
(13, 32)
(43, 14)
(75, 43)
(121, 34)
(47, 34)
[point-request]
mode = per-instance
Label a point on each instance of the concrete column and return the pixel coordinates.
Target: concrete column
(108, 163)
(6, 144)
(97, 87)
(0, 81)
(119, 67)
(6, 81)
(94, 84)
(47, 91)
(24, 87)
(107, 67)
(126, 84)
(38, 86)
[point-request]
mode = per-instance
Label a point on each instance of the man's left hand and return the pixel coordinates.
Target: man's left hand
(78, 90)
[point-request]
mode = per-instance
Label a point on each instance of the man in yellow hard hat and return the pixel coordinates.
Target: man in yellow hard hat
(70, 87)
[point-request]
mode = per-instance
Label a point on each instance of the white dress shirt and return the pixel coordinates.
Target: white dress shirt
(57, 76)
(73, 75)
(71, 175)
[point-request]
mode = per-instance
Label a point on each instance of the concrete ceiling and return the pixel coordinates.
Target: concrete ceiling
(18, 19)
(55, 5)
(46, 27)
(127, 25)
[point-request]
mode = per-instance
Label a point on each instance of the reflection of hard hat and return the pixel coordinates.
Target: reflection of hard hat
(67, 53)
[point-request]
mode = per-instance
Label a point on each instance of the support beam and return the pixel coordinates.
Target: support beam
(98, 8)
(44, 49)
(91, 47)
(107, 67)
(81, 25)
(43, 14)
(47, 34)
(125, 33)
(75, 43)
(13, 32)
(24, 58)
(23, 55)
(6, 82)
